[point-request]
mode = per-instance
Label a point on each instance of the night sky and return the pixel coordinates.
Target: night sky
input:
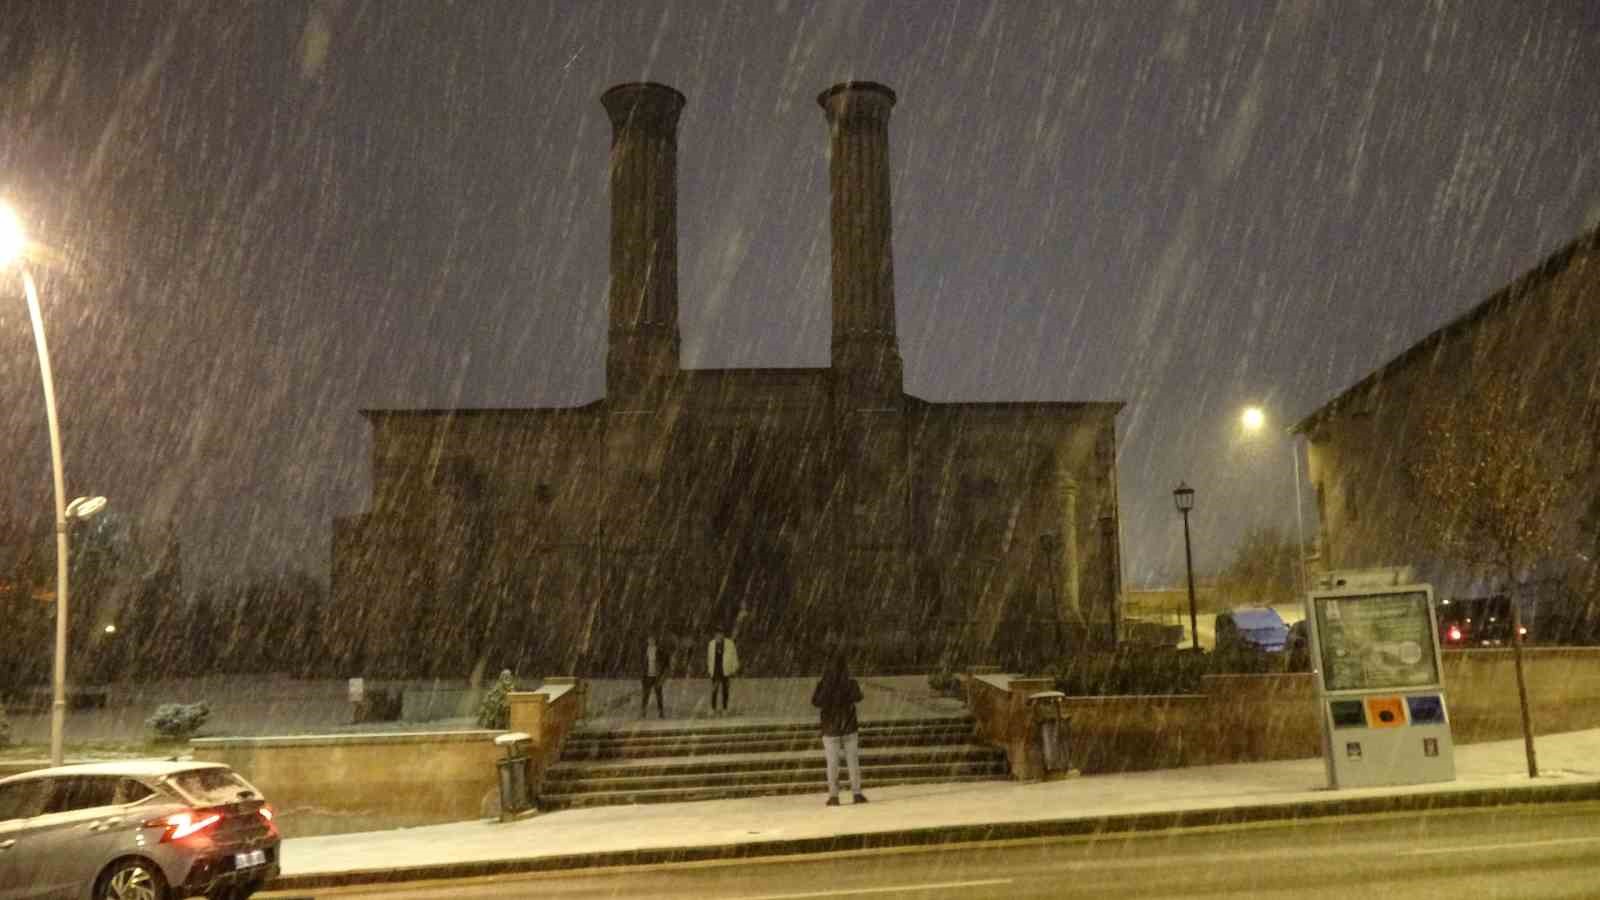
(260, 219)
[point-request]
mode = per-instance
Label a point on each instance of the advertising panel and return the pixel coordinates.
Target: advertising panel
(1379, 641)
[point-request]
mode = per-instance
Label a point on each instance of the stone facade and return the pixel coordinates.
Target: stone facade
(1543, 332)
(796, 506)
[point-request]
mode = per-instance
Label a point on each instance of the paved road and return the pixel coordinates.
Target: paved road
(1478, 854)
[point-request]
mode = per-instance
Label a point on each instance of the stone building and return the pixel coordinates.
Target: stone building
(1540, 333)
(796, 506)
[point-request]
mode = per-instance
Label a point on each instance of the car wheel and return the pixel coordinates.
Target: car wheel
(132, 879)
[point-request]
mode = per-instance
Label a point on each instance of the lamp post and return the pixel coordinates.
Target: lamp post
(1253, 419)
(1184, 497)
(12, 243)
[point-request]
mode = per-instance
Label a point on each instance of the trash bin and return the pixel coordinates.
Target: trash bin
(514, 783)
(1049, 730)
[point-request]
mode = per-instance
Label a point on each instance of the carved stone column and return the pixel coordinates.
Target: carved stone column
(643, 297)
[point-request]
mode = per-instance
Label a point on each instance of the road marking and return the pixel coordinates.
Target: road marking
(1473, 848)
(855, 892)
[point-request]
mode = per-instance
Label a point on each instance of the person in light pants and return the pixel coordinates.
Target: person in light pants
(836, 695)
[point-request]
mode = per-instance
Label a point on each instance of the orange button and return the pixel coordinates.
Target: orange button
(1385, 712)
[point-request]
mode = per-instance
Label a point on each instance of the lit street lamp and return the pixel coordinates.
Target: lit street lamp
(1184, 497)
(12, 244)
(1252, 419)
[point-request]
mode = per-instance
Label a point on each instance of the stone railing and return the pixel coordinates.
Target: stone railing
(547, 715)
(999, 705)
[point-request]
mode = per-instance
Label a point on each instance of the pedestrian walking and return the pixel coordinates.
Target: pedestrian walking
(836, 695)
(653, 671)
(722, 663)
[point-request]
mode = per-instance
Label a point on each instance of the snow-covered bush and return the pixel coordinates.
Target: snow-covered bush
(495, 709)
(178, 721)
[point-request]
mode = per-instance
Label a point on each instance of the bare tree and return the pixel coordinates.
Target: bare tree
(1497, 483)
(1262, 571)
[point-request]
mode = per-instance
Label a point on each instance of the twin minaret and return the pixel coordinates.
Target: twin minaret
(643, 298)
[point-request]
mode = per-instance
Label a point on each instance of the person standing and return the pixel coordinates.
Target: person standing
(652, 673)
(722, 663)
(836, 695)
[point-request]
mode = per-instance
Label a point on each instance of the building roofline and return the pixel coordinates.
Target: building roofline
(1523, 285)
(1113, 406)
(475, 411)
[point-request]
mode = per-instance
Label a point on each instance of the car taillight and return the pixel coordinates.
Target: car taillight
(1455, 633)
(185, 824)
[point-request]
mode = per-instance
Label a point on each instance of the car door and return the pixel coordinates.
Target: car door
(21, 802)
(71, 835)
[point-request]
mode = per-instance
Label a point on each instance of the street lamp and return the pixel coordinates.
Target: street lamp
(12, 244)
(1252, 419)
(1184, 498)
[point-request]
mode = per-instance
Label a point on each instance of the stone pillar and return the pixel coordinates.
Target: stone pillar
(865, 349)
(643, 297)
(869, 508)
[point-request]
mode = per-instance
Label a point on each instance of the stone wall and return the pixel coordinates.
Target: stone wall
(1249, 718)
(398, 779)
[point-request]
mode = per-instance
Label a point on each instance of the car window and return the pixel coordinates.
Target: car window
(130, 790)
(76, 792)
(23, 799)
(211, 787)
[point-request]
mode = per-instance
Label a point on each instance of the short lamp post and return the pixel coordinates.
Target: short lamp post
(12, 244)
(1184, 497)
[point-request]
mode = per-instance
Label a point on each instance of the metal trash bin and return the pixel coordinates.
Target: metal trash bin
(1050, 727)
(515, 796)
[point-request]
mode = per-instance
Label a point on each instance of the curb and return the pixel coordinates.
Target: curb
(958, 834)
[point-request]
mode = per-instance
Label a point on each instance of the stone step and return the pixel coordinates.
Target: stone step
(687, 794)
(705, 745)
(944, 756)
(813, 774)
(808, 725)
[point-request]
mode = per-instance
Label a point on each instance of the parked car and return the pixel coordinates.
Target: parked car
(135, 830)
(1258, 629)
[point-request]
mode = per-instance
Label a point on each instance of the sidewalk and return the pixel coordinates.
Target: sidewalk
(1487, 774)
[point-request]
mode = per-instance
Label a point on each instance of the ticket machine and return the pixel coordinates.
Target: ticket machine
(1380, 686)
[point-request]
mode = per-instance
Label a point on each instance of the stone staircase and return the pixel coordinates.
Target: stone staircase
(723, 760)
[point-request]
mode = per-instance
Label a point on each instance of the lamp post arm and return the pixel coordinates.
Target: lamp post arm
(58, 704)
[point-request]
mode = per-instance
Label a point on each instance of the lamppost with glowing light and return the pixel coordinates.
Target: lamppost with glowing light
(12, 244)
(1253, 419)
(1184, 497)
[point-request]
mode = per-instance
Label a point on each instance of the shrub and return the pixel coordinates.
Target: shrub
(178, 721)
(495, 709)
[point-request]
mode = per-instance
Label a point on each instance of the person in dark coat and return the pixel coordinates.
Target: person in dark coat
(836, 695)
(652, 671)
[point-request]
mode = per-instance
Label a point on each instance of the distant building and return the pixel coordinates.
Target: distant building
(798, 506)
(1544, 328)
